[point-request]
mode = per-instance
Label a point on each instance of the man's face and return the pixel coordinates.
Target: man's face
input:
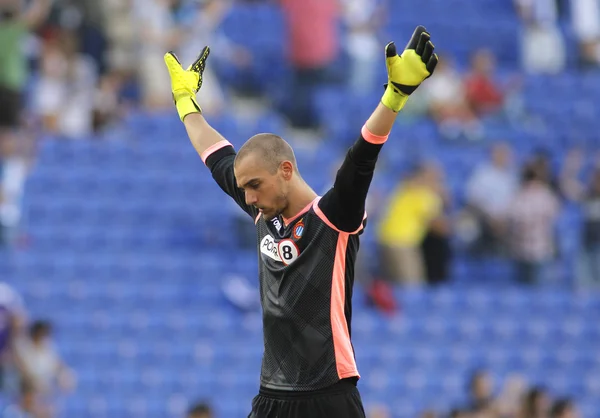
(265, 190)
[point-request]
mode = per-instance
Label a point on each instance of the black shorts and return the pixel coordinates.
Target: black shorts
(11, 103)
(341, 400)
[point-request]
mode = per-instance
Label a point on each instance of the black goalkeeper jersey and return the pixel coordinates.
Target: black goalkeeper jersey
(306, 273)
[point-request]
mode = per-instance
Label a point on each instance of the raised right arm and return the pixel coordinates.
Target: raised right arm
(216, 152)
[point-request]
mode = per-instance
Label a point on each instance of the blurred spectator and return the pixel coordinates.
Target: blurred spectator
(200, 410)
(313, 50)
(363, 19)
(589, 258)
(121, 34)
(508, 402)
(67, 86)
(570, 184)
(202, 27)
(489, 193)
(413, 206)
(586, 24)
(26, 405)
(15, 25)
(485, 95)
(447, 103)
(563, 408)
(532, 216)
(536, 404)
(541, 163)
(12, 324)
(109, 105)
(157, 33)
(45, 367)
(480, 392)
(542, 44)
(436, 245)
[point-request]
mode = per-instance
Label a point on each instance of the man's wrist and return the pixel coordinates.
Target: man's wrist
(393, 99)
(187, 105)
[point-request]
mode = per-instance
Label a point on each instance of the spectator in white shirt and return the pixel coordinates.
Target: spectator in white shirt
(490, 191)
(447, 103)
(585, 16)
(46, 370)
(542, 43)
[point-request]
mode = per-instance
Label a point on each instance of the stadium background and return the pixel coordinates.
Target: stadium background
(125, 243)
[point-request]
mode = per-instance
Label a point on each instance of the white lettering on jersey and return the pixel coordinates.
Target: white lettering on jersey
(277, 224)
(288, 251)
(268, 247)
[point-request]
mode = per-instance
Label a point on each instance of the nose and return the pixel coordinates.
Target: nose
(251, 198)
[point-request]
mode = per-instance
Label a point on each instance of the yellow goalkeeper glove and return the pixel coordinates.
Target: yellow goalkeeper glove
(407, 71)
(186, 83)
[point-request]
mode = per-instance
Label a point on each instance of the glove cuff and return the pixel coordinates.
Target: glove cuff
(186, 105)
(393, 99)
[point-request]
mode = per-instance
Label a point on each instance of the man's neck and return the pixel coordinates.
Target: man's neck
(298, 200)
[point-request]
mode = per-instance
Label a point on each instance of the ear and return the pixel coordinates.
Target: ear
(286, 169)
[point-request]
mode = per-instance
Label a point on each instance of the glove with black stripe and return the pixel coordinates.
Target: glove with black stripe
(186, 83)
(406, 72)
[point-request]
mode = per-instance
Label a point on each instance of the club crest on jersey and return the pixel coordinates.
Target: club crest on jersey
(298, 230)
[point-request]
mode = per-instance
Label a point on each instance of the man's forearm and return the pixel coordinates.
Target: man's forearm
(381, 121)
(202, 135)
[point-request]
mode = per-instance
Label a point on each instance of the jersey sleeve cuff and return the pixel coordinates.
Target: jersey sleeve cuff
(373, 139)
(213, 159)
(214, 148)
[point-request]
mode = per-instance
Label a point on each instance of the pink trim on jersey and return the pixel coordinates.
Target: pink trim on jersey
(344, 354)
(214, 148)
(321, 215)
(257, 218)
(373, 139)
(286, 221)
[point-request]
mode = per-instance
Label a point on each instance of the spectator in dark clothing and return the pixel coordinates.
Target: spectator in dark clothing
(437, 251)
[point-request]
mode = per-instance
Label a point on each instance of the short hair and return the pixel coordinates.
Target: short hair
(272, 149)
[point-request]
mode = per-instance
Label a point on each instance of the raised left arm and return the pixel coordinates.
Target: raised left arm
(344, 204)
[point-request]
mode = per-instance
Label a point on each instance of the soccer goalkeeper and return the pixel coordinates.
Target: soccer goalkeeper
(307, 244)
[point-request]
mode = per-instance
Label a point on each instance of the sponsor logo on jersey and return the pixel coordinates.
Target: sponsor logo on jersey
(268, 247)
(298, 230)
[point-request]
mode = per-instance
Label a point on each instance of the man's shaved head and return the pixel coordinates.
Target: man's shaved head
(271, 150)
